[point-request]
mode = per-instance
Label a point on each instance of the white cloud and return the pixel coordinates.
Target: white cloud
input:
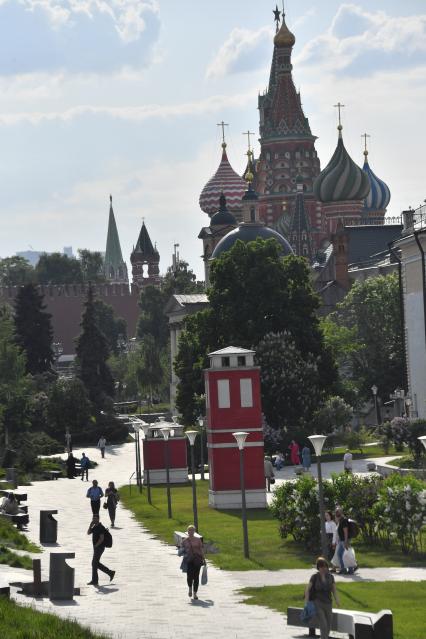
(242, 51)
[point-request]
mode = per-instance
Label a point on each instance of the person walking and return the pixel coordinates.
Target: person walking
(269, 472)
(70, 464)
(331, 532)
(343, 542)
(319, 590)
(95, 493)
(85, 465)
(194, 553)
(112, 499)
(306, 457)
(294, 453)
(101, 445)
(97, 530)
(347, 461)
(279, 460)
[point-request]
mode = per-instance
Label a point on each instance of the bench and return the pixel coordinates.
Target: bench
(358, 625)
(180, 536)
(53, 474)
(20, 519)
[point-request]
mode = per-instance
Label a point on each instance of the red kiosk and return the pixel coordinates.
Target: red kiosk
(154, 454)
(233, 404)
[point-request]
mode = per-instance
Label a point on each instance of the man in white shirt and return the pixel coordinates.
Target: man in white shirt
(347, 461)
(101, 445)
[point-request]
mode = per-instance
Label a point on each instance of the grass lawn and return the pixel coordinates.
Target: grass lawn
(223, 530)
(406, 599)
(367, 452)
(20, 622)
(11, 538)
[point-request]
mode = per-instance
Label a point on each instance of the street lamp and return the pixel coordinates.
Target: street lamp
(408, 407)
(136, 429)
(145, 428)
(318, 442)
(201, 424)
(165, 430)
(423, 440)
(241, 438)
(374, 390)
(192, 435)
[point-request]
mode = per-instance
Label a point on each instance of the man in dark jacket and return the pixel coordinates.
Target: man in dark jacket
(98, 536)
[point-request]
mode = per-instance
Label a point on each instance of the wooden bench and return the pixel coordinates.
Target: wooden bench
(358, 625)
(180, 536)
(53, 474)
(20, 519)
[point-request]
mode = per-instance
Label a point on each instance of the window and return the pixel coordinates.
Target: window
(246, 393)
(241, 359)
(225, 362)
(223, 398)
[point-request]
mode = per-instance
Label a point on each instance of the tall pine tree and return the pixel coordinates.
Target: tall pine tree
(92, 353)
(33, 330)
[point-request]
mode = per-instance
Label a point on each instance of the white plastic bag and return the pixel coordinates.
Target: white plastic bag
(349, 560)
(204, 577)
(335, 560)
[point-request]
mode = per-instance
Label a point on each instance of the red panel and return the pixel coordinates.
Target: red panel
(228, 461)
(154, 453)
(234, 417)
(228, 438)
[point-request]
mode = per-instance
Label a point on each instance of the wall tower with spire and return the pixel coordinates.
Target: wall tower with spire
(115, 268)
(145, 261)
(287, 145)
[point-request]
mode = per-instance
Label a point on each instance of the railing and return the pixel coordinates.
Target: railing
(414, 219)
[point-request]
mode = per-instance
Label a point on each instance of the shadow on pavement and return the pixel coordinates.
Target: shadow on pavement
(206, 603)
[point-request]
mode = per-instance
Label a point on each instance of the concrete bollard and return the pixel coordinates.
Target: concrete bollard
(61, 576)
(48, 527)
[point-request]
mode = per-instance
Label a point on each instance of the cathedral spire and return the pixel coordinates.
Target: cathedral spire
(115, 268)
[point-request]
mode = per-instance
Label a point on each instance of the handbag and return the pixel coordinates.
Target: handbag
(105, 505)
(309, 611)
(272, 480)
(349, 560)
(204, 577)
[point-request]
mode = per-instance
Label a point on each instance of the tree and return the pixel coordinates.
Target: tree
(68, 408)
(150, 372)
(91, 264)
(254, 291)
(181, 280)
(33, 330)
(15, 271)
(58, 268)
(114, 328)
(92, 355)
(369, 320)
(152, 320)
(334, 415)
(291, 383)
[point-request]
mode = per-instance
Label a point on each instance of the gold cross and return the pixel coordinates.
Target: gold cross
(339, 106)
(248, 134)
(223, 125)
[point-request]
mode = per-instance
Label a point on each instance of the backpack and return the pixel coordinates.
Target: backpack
(353, 529)
(107, 539)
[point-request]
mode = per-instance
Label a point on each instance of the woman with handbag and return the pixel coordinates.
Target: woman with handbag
(269, 473)
(194, 552)
(112, 499)
(319, 590)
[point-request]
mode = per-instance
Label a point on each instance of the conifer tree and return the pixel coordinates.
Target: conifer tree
(92, 353)
(33, 330)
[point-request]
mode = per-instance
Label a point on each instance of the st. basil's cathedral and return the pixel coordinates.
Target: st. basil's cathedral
(301, 203)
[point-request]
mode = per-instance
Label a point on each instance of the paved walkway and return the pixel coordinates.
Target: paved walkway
(148, 598)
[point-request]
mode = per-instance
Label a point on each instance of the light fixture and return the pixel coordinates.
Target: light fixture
(317, 442)
(374, 389)
(241, 437)
(192, 435)
(423, 440)
(166, 432)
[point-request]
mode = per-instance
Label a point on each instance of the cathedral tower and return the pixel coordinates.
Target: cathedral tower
(145, 261)
(115, 268)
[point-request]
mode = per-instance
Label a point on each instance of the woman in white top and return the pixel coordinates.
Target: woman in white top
(331, 532)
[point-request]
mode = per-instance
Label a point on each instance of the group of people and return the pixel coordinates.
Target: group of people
(337, 529)
(97, 529)
(71, 461)
(112, 497)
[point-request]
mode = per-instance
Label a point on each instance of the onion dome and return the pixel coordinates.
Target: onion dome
(225, 181)
(379, 196)
(223, 216)
(284, 37)
(341, 179)
(250, 233)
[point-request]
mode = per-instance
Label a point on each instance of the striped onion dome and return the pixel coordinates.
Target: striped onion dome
(379, 196)
(341, 179)
(225, 181)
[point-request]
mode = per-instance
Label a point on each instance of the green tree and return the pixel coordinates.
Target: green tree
(91, 264)
(15, 271)
(57, 268)
(291, 383)
(68, 407)
(181, 280)
(33, 330)
(92, 355)
(150, 372)
(369, 322)
(114, 328)
(333, 415)
(254, 291)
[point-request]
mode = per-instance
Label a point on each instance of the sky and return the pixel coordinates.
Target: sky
(123, 97)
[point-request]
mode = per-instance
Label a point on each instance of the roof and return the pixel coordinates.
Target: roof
(113, 254)
(249, 232)
(144, 244)
(185, 304)
(232, 350)
(192, 298)
(368, 240)
(225, 181)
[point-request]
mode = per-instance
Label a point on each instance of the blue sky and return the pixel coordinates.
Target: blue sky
(123, 97)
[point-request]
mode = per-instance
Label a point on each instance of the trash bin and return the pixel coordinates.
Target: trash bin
(61, 576)
(48, 527)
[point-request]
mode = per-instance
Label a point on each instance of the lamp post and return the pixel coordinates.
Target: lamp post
(145, 428)
(408, 407)
(318, 442)
(374, 390)
(136, 428)
(192, 434)
(165, 430)
(423, 440)
(241, 438)
(201, 424)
